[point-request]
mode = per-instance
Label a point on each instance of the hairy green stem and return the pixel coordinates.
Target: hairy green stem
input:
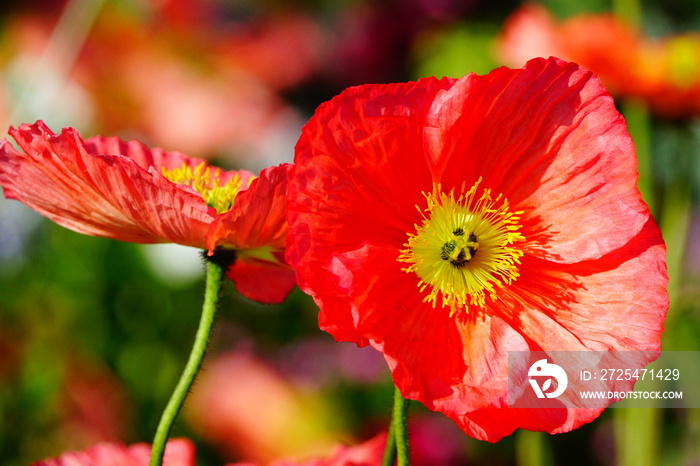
(215, 275)
(397, 439)
(389, 456)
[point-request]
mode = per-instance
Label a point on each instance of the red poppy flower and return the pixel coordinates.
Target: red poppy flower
(663, 73)
(178, 452)
(448, 222)
(122, 190)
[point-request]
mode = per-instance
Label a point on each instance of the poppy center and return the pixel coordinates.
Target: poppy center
(217, 190)
(464, 249)
(460, 248)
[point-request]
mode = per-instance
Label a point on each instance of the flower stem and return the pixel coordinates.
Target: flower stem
(390, 449)
(215, 274)
(397, 439)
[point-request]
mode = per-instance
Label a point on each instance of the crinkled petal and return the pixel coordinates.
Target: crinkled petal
(108, 195)
(257, 217)
(391, 314)
(358, 178)
(616, 304)
(158, 159)
(549, 139)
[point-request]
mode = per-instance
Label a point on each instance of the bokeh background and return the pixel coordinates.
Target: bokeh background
(93, 332)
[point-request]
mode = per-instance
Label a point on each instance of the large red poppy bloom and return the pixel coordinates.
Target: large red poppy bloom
(107, 187)
(448, 222)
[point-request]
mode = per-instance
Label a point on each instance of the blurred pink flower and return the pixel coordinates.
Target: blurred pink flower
(183, 91)
(435, 441)
(321, 361)
(205, 85)
(279, 50)
(368, 453)
(37, 80)
(247, 410)
(94, 406)
(206, 112)
(178, 452)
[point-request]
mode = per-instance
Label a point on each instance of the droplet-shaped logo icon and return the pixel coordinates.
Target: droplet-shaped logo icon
(542, 368)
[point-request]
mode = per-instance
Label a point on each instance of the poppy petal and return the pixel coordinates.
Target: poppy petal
(256, 227)
(262, 281)
(380, 125)
(106, 195)
(257, 217)
(549, 139)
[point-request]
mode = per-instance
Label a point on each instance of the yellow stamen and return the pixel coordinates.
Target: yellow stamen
(463, 250)
(206, 180)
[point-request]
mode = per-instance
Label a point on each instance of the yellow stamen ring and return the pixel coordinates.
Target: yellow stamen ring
(464, 249)
(206, 180)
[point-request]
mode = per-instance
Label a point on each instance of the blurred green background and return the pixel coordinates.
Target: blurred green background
(93, 332)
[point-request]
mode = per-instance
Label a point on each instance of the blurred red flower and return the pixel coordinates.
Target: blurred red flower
(215, 71)
(94, 406)
(225, 410)
(178, 452)
(664, 73)
(368, 453)
(107, 187)
(181, 452)
(448, 222)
